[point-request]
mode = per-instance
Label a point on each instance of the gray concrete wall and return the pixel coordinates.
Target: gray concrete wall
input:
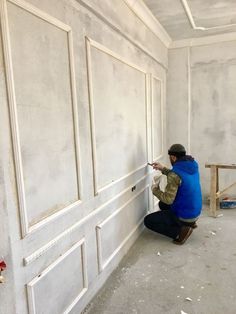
(7, 290)
(83, 110)
(201, 105)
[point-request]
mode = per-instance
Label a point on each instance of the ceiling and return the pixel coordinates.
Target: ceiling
(194, 18)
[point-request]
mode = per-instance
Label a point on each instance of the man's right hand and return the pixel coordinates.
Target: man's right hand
(157, 166)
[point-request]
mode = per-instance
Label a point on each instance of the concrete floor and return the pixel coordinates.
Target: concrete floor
(157, 276)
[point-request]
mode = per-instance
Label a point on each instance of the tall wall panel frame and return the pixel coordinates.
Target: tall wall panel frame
(25, 227)
(92, 43)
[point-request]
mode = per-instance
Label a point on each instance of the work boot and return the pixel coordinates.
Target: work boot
(194, 225)
(185, 232)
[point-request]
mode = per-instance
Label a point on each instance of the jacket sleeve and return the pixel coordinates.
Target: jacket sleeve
(173, 182)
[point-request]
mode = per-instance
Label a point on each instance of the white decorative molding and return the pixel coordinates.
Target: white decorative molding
(150, 200)
(25, 227)
(13, 116)
(45, 248)
(121, 179)
(193, 24)
(32, 283)
(203, 41)
(145, 15)
(149, 120)
(156, 158)
(102, 264)
(91, 43)
(189, 99)
(118, 30)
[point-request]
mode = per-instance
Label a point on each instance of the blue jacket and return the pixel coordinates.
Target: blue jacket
(188, 200)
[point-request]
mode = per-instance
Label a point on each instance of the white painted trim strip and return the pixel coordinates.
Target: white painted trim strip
(41, 251)
(13, 117)
(189, 100)
(99, 248)
(151, 200)
(156, 158)
(33, 282)
(140, 9)
(75, 112)
(193, 24)
(91, 112)
(149, 120)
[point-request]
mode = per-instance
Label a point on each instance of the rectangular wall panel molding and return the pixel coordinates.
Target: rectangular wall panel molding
(113, 127)
(36, 209)
(157, 123)
(48, 246)
(59, 273)
(107, 249)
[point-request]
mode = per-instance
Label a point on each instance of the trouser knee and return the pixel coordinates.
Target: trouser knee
(146, 221)
(164, 206)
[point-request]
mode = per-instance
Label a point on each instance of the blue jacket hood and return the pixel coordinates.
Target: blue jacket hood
(186, 164)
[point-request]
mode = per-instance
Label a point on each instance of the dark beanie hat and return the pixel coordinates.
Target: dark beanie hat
(177, 150)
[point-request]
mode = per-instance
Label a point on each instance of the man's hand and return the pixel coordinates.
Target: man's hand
(157, 166)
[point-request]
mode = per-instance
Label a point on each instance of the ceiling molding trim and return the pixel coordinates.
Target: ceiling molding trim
(193, 24)
(203, 41)
(140, 9)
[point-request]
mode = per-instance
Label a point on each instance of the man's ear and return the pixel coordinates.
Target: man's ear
(173, 158)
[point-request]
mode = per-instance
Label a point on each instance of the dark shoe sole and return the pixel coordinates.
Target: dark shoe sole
(185, 238)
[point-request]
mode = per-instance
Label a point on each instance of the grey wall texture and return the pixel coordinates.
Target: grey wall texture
(201, 106)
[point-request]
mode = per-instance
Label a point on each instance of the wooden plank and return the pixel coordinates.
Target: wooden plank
(217, 188)
(219, 193)
(213, 191)
(222, 166)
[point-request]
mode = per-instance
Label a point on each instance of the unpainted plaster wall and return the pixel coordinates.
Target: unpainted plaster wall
(201, 106)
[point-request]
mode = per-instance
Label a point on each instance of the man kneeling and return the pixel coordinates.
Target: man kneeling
(181, 202)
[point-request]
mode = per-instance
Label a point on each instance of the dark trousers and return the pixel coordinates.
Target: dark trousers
(164, 222)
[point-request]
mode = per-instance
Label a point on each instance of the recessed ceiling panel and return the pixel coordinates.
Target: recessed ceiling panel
(213, 13)
(216, 16)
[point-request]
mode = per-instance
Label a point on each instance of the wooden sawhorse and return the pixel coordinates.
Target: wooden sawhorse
(214, 191)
